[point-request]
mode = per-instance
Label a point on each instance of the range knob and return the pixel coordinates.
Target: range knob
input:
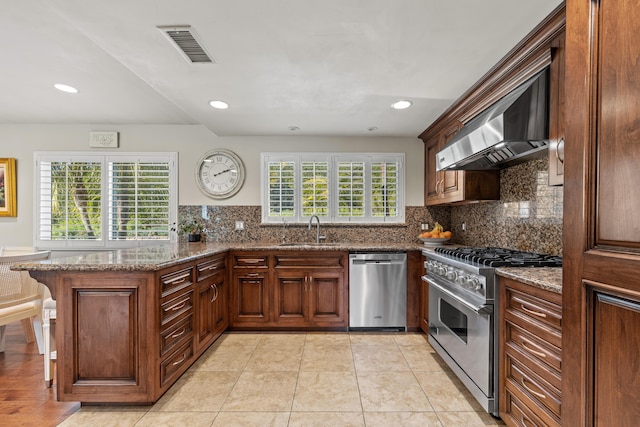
(474, 284)
(442, 270)
(451, 274)
(461, 280)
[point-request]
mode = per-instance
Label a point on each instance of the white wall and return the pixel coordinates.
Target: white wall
(191, 142)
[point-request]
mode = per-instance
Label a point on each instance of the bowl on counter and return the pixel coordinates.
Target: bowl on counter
(434, 241)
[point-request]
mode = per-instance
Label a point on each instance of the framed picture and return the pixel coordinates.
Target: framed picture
(8, 205)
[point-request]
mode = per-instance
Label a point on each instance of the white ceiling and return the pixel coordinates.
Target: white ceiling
(329, 67)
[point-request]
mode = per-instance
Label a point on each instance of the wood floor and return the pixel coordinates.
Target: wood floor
(24, 398)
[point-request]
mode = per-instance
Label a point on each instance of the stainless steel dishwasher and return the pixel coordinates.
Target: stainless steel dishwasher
(378, 291)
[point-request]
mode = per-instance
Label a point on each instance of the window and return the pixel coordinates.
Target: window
(95, 201)
(366, 188)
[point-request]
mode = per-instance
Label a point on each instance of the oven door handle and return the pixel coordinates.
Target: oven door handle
(481, 310)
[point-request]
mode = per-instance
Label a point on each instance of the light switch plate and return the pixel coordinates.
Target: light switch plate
(239, 225)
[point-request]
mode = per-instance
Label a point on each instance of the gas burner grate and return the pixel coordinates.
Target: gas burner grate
(501, 257)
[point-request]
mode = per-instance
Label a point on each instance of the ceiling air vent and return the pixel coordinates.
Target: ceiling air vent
(185, 39)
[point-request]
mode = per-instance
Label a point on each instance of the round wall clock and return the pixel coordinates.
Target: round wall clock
(220, 173)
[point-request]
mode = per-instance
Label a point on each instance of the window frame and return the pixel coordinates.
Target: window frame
(333, 160)
(104, 242)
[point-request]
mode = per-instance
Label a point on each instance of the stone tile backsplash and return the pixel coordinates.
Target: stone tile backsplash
(220, 224)
(528, 217)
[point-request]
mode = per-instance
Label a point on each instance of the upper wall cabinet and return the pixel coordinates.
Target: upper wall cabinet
(556, 113)
(455, 187)
(543, 47)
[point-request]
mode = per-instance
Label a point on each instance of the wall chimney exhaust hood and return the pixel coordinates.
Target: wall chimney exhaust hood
(511, 131)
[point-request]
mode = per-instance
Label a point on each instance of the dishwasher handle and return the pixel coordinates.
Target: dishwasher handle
(374, 261)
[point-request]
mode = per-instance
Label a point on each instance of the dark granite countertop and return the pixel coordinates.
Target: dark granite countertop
(153, 258)
(547, 278)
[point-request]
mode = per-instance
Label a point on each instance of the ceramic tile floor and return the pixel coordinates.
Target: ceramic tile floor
(307, 379)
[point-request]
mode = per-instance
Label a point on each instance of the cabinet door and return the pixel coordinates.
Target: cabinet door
(556, 113)
(290, 298)
(211, 309)
(451, 182)
(221, 306)
(601, 236)
(431, 148)
(250, 300)
(327, 299)
(204, 314)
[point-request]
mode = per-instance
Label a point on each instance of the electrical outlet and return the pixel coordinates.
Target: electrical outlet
(464, 226)
(239, 225)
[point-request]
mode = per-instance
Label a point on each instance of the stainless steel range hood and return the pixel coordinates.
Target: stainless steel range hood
(513, 130)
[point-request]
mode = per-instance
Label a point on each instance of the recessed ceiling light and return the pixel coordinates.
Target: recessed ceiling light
(220, 105)
(294, 128)
(65, 88)
(401, 105)
(372, 129)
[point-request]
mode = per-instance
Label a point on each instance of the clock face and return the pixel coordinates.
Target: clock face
(220, 174)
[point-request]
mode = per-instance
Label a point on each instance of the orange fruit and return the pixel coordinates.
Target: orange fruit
(447, 234)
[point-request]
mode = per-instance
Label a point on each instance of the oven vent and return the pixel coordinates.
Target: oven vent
(185, 39)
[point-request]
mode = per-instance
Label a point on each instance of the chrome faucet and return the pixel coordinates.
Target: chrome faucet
(318, 236)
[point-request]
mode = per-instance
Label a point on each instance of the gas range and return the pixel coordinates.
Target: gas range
(463, 311)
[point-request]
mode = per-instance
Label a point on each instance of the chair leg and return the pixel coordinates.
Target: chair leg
(37, 328)
(46, 335)
(28, 330)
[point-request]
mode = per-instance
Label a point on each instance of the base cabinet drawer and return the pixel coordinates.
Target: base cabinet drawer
(176, 362)
(176, 333)
(530, 355)
(518, 414)
(535, 388)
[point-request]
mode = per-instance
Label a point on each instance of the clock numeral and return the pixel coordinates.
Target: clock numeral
(218, 159)
(206, 180)
(232, 179)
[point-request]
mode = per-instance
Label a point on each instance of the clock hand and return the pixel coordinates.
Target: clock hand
(220, 173)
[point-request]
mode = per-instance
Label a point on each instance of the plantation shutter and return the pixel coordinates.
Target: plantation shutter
(281, 189)
(95, 201)
(139, 200)
(351, 192)
(315, 188)
(70, 205)
(384, 189)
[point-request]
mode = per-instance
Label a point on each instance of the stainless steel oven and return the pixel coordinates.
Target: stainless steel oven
(463, 305)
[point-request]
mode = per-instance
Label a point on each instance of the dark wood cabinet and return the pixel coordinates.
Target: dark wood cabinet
(556, 112)
(530, 355)
(601, 235)
(290, 290)
(454, 187)
(126, 336)
(212, 306)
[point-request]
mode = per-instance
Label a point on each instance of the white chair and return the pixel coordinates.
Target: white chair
(50, 355)
(21, 296)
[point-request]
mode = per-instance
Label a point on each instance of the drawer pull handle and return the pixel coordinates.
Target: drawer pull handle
(177, 306)
(525, 421)
(253, 261)
(184, 356)
(532, 312)
(527, 347)
(214, 288)
(253, 274)
(178, 279)
(535, 393)
(208, 268)
(177, 334)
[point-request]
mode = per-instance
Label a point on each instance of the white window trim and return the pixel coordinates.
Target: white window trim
(104, 158)
(332, 159)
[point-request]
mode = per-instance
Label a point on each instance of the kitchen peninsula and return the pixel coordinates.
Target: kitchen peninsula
(130, 322)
